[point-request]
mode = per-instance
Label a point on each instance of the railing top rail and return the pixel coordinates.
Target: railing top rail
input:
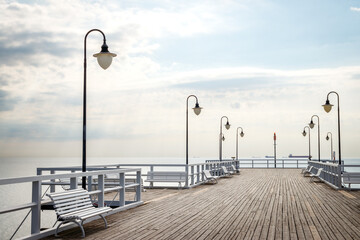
(111, 166)
(323, 163)
(64, 175)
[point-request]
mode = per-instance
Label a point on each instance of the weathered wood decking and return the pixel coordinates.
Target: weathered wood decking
(258, 204)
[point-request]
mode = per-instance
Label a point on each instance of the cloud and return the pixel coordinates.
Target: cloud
(355, 9)
(7, 103)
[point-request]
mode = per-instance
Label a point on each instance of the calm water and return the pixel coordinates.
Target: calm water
(21, 193)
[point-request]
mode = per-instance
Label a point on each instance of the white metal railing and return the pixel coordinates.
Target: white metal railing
(331, 173)
(37, 201)
(270, 163)
(193, 171)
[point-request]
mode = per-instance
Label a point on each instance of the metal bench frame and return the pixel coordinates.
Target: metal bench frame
(75, 206)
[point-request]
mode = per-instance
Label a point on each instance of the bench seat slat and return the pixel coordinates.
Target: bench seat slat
(70, 196)
(87, 213)
(74, 203)
(60, 212)
(58, 202)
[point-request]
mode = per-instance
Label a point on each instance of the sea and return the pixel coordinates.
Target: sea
(14, 194)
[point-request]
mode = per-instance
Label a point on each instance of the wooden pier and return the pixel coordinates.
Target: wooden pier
(258, 204)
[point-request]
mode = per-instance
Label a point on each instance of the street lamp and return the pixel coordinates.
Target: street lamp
(304, 134)
(104, 58)
(327, 138)
(327, 107)
(312, 124)
(221, 137)
(197, 110)
(237, 139)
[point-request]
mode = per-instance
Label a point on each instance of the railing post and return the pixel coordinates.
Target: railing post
(252, 163)
(73, 181)
(198, 173)
(192, 175)
(202, 175)
(151, 170)
(36, 210)
(52, 187)
(138, 188)
(339, 176)
(122, 190)
(101, 187)
(187, 176)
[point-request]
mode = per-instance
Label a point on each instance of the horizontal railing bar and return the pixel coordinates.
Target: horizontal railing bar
(63, 175)
(19, 207)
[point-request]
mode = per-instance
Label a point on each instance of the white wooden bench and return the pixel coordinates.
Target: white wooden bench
(75, 206)
(351, 178)
(163, 176)
(234, 170)
(210, 178)
(226, 173)
(317, 175)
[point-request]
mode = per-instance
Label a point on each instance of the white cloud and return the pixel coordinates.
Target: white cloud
(356, 9)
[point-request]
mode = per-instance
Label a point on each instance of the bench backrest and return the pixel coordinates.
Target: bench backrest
(207, 174)
(351, 177)
(71, 201)
(225, 169)
(319, 172)
(180, 176)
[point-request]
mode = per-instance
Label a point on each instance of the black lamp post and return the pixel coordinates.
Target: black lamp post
(197, 111)
(221, 137)
(304, 134)
(327, 139)
(237, 137)
(327, 107)
(104, 58)
(312, 124)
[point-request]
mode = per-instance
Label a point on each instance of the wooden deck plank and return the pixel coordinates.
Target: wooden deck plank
(258, 204)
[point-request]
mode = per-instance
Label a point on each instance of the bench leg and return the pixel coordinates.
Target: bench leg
(74, 221)
(61, 223)
(104, 220)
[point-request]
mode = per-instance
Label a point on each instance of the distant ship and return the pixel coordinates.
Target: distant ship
(292, 156)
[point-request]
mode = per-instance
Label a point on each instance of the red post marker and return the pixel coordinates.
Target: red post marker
(275, 149)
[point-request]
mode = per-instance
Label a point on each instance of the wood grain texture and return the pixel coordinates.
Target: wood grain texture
(258, 204)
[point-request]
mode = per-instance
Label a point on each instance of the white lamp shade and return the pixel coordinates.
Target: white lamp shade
(311, 124)
(304, 133)
(327, 107)
(242, 134)
(227, 125)
(104, 59)
(197, 110)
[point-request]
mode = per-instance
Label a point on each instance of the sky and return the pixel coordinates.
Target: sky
(266, 65)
